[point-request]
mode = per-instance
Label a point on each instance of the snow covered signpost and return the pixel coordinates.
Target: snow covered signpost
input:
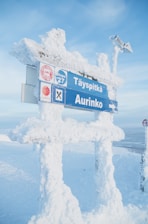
(57, 78)
(144, 160)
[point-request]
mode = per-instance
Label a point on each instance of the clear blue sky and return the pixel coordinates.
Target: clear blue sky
(88, 25)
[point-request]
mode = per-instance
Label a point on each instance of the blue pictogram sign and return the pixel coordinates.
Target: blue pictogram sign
(58, 94)
(61, 77)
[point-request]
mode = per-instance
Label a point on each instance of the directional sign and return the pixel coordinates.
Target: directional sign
(89, 102)
(72, 90)
(89, 86)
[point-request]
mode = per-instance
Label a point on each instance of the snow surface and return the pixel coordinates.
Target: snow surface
(113, 198)
(20, 183)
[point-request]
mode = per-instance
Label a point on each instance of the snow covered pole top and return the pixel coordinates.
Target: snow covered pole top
(124, 47)
(119, 46)
(52, 50)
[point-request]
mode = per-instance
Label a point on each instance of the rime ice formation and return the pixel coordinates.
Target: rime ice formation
(51, 132)
(52, 50)
(115, 57)
(60, 205)
(58, 197)
(68, 131)
(145, 173)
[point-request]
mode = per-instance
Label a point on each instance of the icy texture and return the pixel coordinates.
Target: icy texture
(60, 205)
(52, 50)
(68, 131)
(51, 132)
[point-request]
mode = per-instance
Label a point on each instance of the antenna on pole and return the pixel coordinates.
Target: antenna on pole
(119, 46)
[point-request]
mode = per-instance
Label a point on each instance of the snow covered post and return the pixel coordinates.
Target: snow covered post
(119, 46)
(50, 152)
(115, 58)
(107, 192)
(60, 206)
(144, 161)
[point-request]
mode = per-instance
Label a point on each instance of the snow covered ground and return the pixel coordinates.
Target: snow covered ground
(20, 196)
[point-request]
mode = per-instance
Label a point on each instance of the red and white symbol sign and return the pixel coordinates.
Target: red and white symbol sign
(46, 72)
(45, 92)
(145, 122)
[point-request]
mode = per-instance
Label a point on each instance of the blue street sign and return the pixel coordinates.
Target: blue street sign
(76, 91)
(89, 86)
(86, 101)
(72, 81)
(76, 99)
